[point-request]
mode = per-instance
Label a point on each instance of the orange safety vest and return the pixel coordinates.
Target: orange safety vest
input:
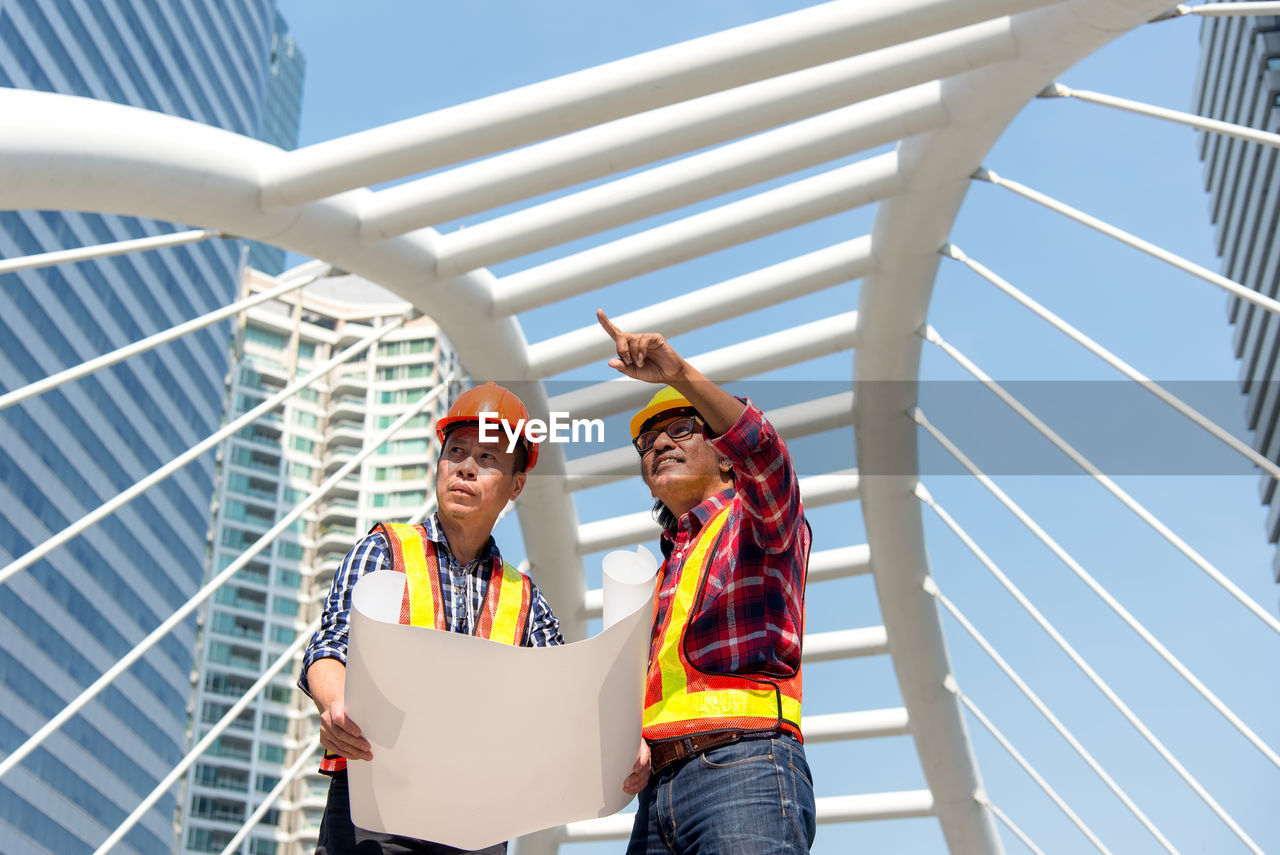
(681, 700)
(503, 617)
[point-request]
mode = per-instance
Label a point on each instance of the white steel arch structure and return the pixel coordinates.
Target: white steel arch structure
(931, 84)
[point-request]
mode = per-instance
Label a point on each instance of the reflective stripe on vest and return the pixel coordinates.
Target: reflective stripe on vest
(680, 699)
(502, 618)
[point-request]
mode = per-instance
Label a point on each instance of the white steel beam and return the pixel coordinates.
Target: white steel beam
(1232, 287)
(1218, 10)
(931, 587)
(306, 757)
(845, 644)
(864, 724)
(798, 344)
(1181, 406)
(759, 158)
(207, 740)
(893, 306)
(1057, 90)
(871, 806)
(749, 292)
(697, 67)
(981, 798)
(687, 126)
(297, 278)
(187, 608)
(1028, 768)
(839, 563)
(105, 250)
(207, 444)
(1206, 566)
(796, 420)
(794, 204)
(1133, 623)
(816, 491)
(64, 153)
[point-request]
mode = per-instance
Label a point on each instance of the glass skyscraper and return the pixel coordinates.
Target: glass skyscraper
(1239, 82)
(72, 615)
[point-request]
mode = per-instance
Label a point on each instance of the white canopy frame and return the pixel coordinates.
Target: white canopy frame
(73, 154)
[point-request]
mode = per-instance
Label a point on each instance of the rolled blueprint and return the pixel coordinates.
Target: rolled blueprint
(628, 582)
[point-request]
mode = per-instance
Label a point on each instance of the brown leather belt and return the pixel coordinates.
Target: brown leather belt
(663, 754)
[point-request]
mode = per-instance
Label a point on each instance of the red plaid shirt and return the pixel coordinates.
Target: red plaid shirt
(751, 618)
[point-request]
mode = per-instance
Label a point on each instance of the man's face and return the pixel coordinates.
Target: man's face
(474, 479)
(681, 472)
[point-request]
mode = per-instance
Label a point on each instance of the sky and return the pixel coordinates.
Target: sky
(393, 60)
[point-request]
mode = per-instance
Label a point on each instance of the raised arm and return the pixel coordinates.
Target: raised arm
(651, 358)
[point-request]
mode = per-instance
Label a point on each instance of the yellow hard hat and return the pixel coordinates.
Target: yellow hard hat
(666, 399)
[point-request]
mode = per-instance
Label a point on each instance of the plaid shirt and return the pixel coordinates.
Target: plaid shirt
(751, 618)
(463, 590)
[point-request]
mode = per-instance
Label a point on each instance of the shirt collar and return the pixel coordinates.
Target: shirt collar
(696, 517)
(435, 531)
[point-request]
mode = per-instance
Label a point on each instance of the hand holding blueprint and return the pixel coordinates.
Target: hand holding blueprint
(476, 742)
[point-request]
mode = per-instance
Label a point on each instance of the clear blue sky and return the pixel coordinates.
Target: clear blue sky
(392, 60)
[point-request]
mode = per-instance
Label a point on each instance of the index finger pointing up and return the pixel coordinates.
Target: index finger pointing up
(614, 332)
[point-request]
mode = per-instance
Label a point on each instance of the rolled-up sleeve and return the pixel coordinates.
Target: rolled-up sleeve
(330, 640)
(764, 478)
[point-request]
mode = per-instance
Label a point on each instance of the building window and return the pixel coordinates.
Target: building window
(402, 396)
(271, 753)
(265, 337)
(404, 372)
(399, 500)
(404, 348)
(404, 446)
(419, 421)
(274, 724)
(288, 550)
(283, 635)
(400, 473)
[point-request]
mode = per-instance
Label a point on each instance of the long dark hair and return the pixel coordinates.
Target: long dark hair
(665, 518)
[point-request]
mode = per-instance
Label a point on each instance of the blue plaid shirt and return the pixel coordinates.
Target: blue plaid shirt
(463, 590)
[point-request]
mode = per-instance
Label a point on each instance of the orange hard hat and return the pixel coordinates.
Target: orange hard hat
(490, 398)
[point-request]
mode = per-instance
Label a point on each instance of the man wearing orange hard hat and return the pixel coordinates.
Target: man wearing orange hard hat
(457, 582)
(722, 768)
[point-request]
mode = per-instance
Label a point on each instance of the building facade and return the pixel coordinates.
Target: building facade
(265, 472)
(281, 114)
(1239, 82)
(74, 614)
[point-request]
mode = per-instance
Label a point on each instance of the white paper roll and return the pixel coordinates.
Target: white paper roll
(627, 582)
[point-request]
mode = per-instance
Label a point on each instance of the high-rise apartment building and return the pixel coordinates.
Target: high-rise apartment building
(1239, 82)
(265, 472)
(72, 615)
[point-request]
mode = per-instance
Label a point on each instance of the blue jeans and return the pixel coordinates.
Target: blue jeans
(754, 797)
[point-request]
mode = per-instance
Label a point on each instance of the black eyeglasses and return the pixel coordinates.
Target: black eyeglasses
(677, 429)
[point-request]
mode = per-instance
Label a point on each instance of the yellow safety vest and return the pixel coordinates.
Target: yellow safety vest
(503, 617)
(680, 699)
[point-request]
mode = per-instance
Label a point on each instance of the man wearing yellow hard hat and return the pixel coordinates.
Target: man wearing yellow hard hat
(722, 767)
(457, 582)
